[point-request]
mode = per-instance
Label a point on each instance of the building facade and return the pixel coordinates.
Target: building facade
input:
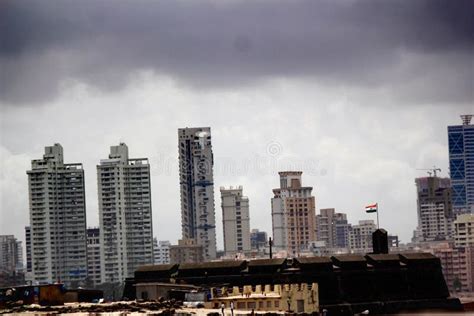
(93, 256)
(293, 214)
(360, 236)
(186, 251)
(161, 251)
(461, 165)
(435, 213)
(332, 228)
(457, 264)
(57, 219)
(11, 254)
(464, 231)
(258, 239)
(342, 228)
(125, 214)
(29, 268)
(197, 188)
(235, 221)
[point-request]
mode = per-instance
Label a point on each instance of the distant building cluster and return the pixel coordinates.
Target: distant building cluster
(11, 261)
(60, 247)
(446, 208)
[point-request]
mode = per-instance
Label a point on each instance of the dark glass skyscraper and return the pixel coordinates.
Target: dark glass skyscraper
(461, 165)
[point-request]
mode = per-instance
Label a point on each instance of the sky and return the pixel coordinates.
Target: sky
(357, 94)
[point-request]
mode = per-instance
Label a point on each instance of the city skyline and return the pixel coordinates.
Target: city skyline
(271, 148)
(355, 96)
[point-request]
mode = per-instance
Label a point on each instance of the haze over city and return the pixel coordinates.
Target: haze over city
(355, 94)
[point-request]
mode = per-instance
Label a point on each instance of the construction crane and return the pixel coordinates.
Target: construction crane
(432, 172)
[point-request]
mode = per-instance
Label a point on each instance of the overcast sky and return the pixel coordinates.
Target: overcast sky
(356, 94)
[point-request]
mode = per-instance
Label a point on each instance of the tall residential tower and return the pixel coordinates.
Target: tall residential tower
(197, 188)
(125, 215)
(435, 213)
(57, 219)
(293, 214)
(235, 221)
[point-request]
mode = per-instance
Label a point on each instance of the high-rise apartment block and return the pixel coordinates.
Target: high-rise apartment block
(93, 256)
(11, 254)
(464, 231)
(197, 188)
(235, 221)
(461, 165)
(293, 214)
(332, 228)
(125, 214)
(57, 219)
(161, 251)
(435, 213)
(360, 236)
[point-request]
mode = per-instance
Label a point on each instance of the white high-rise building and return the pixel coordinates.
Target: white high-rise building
(235, 221)
(57, 219)
(125, 214)
(197, 188)
(293, 214)
(161, 251)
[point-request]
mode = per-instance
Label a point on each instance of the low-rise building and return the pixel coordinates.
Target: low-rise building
(295, 298)
(360, 236)
(186, 251)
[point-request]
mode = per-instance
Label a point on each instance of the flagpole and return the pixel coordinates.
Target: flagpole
(378, 226)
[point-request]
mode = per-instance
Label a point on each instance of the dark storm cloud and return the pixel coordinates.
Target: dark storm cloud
(212, 43)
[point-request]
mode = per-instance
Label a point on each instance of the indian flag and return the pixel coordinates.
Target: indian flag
(371, 208)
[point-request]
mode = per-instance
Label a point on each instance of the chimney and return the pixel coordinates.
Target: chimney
(380, 241)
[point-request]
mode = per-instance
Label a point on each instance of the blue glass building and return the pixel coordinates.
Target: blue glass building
(461, 165)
